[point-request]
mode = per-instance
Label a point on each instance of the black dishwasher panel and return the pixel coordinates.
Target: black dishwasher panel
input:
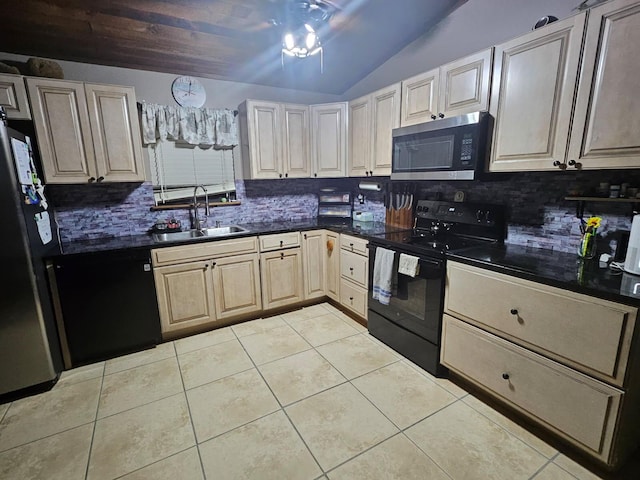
(108, 303)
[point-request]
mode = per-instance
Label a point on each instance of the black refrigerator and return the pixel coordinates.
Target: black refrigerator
(30, 356)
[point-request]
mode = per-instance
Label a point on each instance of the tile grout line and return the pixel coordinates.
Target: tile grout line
(95, 424)
(544, 465)
(186, 398)
(281, 407)
(153, 463)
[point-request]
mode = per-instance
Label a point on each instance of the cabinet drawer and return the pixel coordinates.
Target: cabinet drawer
(581, 409)
(586, 333)
(354, 244)
(353, 297)
(203, 251)
(354, 267)
(279, 240)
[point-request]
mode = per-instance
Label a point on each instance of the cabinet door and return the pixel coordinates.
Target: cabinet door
(116, 133)
(329, 139)
(236, 285)
(464, 84)
(281, 273)
(359, 136)
(332, 265)
(265, 131)
(606, 121)
(296, 154)
(62, 126)
(313, 248)
(13, 97)
(185, 296)
(385, 116)
(419, 98)
(534, 81)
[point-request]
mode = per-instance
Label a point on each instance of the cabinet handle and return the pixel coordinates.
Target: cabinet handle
(281, 243)
(315, 174)
(286, 175)
(280, 175)
(433, 117)
(92, 179)
(505, 376)
(100, 179)
(573, 163)
(514, 311)
(441, 115)
(281, 256)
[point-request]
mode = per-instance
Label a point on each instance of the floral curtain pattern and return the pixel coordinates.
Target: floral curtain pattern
(195, 126)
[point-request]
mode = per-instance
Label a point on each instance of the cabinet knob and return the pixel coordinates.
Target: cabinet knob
(351, 269)
(573, 163)
(286, 175)
(433, 117)
(371, 173)
(351, 245)
(213, 264)
(351, 299)
(505, 376)
(366, 172)
(280, 175)
(315, 174)
(92, 179)
(514, 311)
(206, 265)
(560, 165)
(441, 115)
(100, 179)
(281, 243)
(305, 236)
(281, 256)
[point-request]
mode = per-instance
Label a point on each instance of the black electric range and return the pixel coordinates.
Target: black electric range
(411, 323)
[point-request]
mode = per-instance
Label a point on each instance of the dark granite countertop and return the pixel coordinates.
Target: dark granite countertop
(147, 242)
(563, 270)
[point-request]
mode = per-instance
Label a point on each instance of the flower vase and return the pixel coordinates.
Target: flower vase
(587, 247)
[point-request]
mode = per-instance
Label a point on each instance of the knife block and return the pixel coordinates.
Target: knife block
(402, 218)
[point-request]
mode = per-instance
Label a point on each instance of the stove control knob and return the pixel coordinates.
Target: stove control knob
(479, 214)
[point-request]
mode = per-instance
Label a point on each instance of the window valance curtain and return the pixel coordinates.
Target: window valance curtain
(195, 126)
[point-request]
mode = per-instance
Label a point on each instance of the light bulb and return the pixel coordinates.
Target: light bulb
(311, 39)
(289, 41)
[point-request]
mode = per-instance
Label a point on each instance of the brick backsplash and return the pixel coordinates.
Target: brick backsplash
(538, 214)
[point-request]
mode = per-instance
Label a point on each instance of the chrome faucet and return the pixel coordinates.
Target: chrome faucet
(197, 223)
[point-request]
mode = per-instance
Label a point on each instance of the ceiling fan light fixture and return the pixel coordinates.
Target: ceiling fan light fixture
(301, 42)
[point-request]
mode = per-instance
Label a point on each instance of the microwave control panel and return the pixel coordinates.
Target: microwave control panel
(467, 149)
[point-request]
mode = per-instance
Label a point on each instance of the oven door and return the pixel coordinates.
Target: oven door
(416, 302)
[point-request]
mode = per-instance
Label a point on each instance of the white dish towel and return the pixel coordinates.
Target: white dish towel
(382, 274)
(408, 265)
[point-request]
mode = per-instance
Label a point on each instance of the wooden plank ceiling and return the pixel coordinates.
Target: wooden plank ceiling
(226, 39)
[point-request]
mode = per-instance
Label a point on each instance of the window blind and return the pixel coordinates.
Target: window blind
(177, 167)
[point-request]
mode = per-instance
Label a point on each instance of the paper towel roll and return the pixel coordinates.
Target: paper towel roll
(632, 261)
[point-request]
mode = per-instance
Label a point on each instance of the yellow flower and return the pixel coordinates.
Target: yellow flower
(594, 222)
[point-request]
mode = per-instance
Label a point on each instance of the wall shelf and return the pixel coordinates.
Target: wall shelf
(177, 206)
(583, 200)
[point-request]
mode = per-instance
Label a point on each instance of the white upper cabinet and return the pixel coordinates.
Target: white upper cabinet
(532, 93)
(420, 98)
(371, 121)
(456, 88)
(606, 124)
(329, 139)
(86, 133)
(13, 97)
(464, 85)
(275, 139)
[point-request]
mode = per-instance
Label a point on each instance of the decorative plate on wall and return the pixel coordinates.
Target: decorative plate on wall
(188, 92)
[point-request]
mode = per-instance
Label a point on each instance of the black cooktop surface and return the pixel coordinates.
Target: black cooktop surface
(428, 243)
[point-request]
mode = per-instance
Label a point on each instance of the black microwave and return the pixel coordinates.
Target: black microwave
(453, 148)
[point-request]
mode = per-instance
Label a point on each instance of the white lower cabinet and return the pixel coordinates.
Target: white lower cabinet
(185, 296)
(354, 274)
(562, 359)
(236, 285)
(281, 277)
(577, 407)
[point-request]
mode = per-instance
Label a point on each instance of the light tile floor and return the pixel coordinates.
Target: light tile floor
(304, 395)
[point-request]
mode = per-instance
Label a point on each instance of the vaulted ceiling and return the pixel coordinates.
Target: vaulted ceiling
(225, 39)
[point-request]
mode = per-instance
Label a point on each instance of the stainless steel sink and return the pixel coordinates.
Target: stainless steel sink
(187, 235)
